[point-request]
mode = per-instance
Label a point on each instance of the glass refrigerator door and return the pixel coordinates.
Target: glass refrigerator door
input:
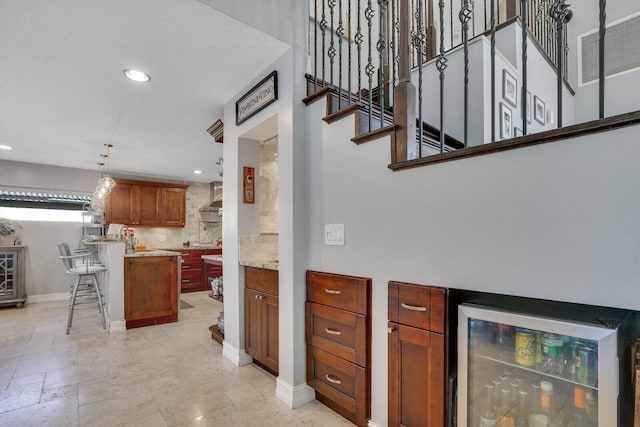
(516, 369)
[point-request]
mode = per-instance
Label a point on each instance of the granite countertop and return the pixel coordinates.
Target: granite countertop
(192, 247)
(151, 252)
(212, 259)
(260, 263)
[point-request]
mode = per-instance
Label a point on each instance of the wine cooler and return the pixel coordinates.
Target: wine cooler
(535, 363)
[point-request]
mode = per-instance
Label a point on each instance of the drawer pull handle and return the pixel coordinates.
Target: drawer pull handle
(332, 331)
(390, 330)
(332, 292)
(186, 266)
(413, 307)
(259, 297)
(332, 379)
(185, 281)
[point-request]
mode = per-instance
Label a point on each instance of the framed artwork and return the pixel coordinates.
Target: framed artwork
(260, 96)
(528, 106)
(509, 88)
(539, 110)
(506, 122)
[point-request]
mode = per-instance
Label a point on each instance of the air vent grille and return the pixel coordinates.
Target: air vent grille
(622, 50)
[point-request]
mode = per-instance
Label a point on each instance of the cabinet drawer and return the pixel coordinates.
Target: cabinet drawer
(190, 266)
(261, 279)
(341, 381)
(418, 306)
(192, 255)
(338, 332)
(192, 273)
(338, 291)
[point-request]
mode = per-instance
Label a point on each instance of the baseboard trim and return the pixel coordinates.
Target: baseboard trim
(237, 357)
(35, 299)
(294, 397)
(117, 326)
(372, 424)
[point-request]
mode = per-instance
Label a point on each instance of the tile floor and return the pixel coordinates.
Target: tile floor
(165, 375)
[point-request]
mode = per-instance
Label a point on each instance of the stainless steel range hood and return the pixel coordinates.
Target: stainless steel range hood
(212, 211)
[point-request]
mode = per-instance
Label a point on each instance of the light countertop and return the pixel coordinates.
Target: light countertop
(212, 259)
(151, 252)
(260, 263)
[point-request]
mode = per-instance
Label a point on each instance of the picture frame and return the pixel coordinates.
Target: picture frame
(509, 88)
(257, 98)
(506, 122)
(539, 111)
(529, 107)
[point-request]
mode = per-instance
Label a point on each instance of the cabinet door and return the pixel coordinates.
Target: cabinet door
(150, 288)
(416, 377)
(173, 209)
(270, 333)
(253, 341)
(118, 207)
(147, 205)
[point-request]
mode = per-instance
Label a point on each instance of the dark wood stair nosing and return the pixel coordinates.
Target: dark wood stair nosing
(316, 96)
(351, 109)
(375, 134)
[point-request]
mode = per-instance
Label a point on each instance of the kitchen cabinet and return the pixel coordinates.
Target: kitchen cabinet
(338, 337)
(421, 354)
(261, 317)
(148, 204)
(195, 273)
(173, 209)
(150, 290)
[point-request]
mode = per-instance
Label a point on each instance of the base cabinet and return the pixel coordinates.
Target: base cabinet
(150, 290)
(422, 356)
(261, 317)
(416, 377)
(338, 336)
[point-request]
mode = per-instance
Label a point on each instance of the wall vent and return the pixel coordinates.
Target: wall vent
(622, 50)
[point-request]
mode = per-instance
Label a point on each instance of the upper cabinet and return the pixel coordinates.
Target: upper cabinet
(142, 203)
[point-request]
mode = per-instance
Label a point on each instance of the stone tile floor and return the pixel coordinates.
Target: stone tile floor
(165, 375)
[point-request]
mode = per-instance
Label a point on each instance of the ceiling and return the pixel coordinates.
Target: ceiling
(63, 94)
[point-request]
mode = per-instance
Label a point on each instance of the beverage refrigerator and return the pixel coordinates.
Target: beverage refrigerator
(533, 363)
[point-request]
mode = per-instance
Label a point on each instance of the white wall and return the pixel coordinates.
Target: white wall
(555, 221)
(292, 208)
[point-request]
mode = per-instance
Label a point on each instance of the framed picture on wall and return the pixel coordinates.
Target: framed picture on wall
(506, 122)
(509, 88)
(528, 106)
(539, 110)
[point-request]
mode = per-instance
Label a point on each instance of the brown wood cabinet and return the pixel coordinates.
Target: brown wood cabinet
(338, 336)
(147, 204)
(150, 290)
(195, 273)
(422, 356)
(261, 317)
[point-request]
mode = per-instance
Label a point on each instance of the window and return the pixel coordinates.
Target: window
(27, 206)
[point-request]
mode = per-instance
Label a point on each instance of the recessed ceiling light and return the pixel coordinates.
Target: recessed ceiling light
(137, 76)
(6, 147)
(197, 172)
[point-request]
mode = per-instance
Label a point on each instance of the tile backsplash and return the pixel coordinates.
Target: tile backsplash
(268, 195)
(263, 247)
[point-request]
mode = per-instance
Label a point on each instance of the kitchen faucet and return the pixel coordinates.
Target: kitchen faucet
(126, 236)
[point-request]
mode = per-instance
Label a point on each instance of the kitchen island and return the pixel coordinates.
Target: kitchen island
(151, 291)
(130, 279)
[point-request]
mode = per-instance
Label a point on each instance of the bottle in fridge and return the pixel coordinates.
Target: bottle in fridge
(533, 363)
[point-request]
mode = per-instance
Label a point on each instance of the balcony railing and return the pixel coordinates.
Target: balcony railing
(472, 71)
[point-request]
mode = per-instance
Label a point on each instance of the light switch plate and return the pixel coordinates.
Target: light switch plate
(334, 234)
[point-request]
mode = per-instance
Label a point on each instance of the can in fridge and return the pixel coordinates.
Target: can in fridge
(525, 350)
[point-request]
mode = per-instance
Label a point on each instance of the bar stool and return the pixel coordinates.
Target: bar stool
(83, 265)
